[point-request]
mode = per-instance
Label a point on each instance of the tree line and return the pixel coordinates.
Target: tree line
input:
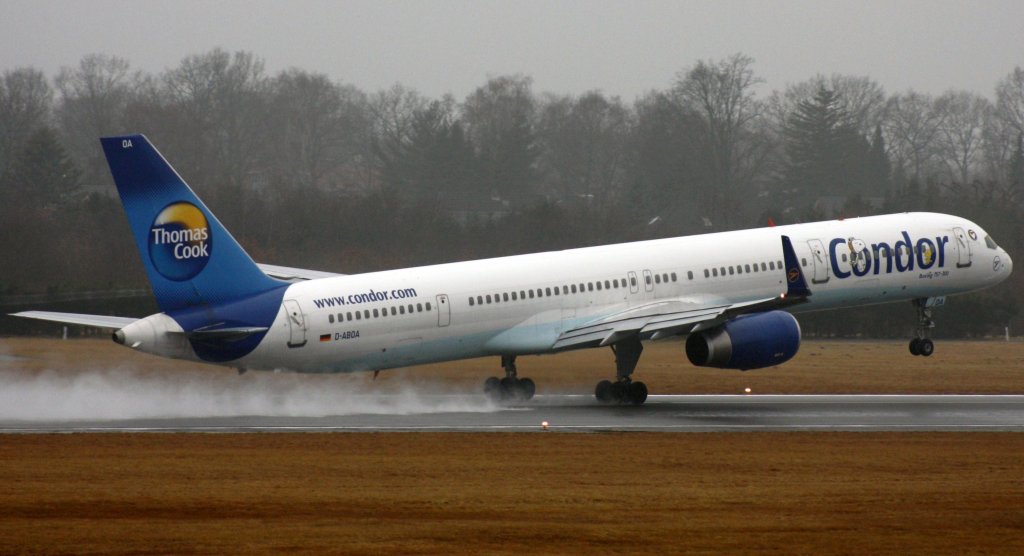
(310, 172)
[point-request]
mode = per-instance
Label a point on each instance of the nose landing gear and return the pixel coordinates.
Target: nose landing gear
(921, 344)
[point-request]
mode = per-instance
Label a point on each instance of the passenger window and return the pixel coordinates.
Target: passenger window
(565, 290)
(531, 294)
(715, 272)
(504, 297)
(590, 286)
(547, 292)
(674, 276)
(607, 285)
(330, 318)
(479, 300)
(522, 294)
(722, 269)
(574, 288)
(428, 305)
(394, 310)
(497, 298)
(556, 290)
(401, 309)
(598, 286)
(706, 273)
(778, 264)
(632, 282)
(514, 296)
(844, 257)
(764, 267)
(803, 261)
(358, 316)
(731, 271)
(341, 317)
(384, 312)
(689, 275)
(746, 268)
(366, 314)
(376, 313)
(664, 278)
(419, 307)
(488, 299)
(771, 265)
(410, 308)
(657, 279)
(471, 302)
(739, 269)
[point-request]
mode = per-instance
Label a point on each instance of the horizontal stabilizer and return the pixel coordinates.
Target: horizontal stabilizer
(225, 334)
(99, 321)
(294, 274)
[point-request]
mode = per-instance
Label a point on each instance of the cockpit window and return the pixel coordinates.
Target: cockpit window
(990, 243)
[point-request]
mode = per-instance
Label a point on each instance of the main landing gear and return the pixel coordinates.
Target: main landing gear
(922, 344)
(510, 388)
(624, 390)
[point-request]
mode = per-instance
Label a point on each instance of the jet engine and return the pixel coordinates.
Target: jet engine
(746, 342)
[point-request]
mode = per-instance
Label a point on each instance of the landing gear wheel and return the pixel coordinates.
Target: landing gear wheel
(915, 346)
(492, 388)
(637, 393)
(925, 347)
(603, 392)
(527, 389)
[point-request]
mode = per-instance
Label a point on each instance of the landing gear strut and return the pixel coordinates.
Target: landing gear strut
(624, 390)
(921, 344)
(511, 387)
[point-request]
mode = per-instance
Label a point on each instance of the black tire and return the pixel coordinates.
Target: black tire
(619, 392)
(492, 388)
(527, 388)
(508, 388)
(637, 393)
(926, 347)
(603, 392)
(915, 346)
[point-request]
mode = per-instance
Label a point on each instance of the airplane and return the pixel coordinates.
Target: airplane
(732, 295)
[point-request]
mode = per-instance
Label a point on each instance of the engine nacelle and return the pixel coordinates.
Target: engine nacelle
(746, 342)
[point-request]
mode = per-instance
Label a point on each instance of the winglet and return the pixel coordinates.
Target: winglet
(796, 285)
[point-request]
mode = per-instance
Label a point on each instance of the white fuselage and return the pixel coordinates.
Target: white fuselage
(520, 305)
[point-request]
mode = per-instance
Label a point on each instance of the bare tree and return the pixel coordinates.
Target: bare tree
(222, 99)
(721, 95)
(500, 119)
(26, 101)
(583, 145)
(1010, 99)
(318, 125)
(961, 132)
(93, 101)
(912, 129)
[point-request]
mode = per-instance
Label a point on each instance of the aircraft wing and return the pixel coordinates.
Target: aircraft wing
(99, 321)
(669, 317)
(294, 274)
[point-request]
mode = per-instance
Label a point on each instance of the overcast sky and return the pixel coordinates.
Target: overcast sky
(621, 48)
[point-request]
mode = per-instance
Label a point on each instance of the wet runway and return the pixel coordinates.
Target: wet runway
(570, 413)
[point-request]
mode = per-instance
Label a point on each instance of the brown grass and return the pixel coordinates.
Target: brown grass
(782, 493)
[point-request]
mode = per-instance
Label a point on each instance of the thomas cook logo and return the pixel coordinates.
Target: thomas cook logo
(180, 241)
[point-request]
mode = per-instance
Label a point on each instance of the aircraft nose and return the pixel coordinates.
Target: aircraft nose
(1008, 264)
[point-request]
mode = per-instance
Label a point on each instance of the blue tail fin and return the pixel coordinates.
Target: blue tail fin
(191, 260)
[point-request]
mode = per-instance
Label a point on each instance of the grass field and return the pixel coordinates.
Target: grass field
(604, 493)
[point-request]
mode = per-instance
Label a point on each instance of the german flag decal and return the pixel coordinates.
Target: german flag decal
(325, 337)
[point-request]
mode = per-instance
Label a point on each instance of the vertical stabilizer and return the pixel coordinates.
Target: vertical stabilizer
(190, 258)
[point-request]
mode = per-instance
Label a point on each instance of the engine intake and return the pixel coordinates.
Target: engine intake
(746, 342)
